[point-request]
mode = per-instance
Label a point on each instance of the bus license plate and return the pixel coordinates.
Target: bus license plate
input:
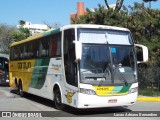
(7, 80)
(112, 101)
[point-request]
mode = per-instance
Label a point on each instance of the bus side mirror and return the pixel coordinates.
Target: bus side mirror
(142, 53)
(78, 49)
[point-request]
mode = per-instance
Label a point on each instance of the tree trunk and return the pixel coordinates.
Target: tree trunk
(106, 2)
(119, 4)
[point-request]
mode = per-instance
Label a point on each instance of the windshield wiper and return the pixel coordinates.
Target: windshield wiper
(121, 75)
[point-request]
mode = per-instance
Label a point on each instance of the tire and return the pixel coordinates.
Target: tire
(58, 100)
(17, 87)
(20, 90)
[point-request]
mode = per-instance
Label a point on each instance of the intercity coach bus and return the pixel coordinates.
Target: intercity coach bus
(4, 69)
(83, 66)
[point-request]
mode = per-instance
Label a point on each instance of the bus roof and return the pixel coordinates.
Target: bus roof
(50, 32)
(94, 26)
(4, 55)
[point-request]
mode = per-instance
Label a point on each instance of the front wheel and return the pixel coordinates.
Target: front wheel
(58, 100)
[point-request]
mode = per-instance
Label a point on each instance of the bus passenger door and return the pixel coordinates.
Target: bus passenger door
(70, 67)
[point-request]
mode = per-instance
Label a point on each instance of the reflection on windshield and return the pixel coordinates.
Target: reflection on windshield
(94, 63)
(3, 64)
(112, 65)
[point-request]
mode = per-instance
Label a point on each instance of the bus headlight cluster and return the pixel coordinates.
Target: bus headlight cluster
(133, 90)
(87, 91)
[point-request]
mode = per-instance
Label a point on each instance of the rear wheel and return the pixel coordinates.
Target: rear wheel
(58, 100)
(17, 87)
(20, 89)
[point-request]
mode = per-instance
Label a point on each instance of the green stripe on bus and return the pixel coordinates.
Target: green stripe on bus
(117, 88)
(39, 73)
(51, 32)
(125, 89)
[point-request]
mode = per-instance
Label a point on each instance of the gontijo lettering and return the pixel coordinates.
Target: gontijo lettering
(24, 65)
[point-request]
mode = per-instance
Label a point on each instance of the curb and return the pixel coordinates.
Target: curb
(149, 99)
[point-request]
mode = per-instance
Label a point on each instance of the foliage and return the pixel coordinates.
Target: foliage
(143, 22)
(149, 76)
(149, 92)
(9, 34)
(52, 25)
(22, 22)
(149, 0)
(22, 33)
(6, 37)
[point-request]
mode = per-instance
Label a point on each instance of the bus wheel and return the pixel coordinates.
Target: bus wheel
(58, 100)
(17, 87)
(20, 90)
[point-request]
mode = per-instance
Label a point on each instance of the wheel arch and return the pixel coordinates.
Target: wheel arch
(57, 86)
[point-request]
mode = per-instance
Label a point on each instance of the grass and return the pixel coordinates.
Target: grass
(149, 92)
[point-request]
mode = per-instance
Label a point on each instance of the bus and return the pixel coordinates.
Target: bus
(4, 69)
(83, 66)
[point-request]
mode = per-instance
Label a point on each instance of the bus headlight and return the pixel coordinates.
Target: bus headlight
(87, 91)
(133, 90)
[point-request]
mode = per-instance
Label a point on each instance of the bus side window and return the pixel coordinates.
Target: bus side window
(27, 50)
(21, 51)
(12, 53)
(44, 48)
(35, 49)
(16, 53)
(6, 65)
(55, 45)
(1, 64)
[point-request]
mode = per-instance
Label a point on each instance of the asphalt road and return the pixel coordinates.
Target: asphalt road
(9, 101)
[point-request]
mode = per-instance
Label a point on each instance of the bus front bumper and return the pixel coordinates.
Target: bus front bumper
(4, 80)
(94, 101)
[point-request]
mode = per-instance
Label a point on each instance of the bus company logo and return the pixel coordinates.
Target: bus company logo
(69, 96)
(24, 65)
(102, 89)
(56, 66)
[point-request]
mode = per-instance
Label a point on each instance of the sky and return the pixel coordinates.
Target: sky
(50, 11)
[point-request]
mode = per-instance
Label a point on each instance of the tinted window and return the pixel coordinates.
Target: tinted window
(27, 50)
(55, 44)
(44, 48)
(35, 49)
(11, 53)
(69, 57)
(17, 52)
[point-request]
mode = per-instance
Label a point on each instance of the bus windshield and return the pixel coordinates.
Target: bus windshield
(3, 64)
(4, 80)
(107, 65)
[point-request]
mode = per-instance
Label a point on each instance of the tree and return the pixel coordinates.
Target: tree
(143, 22)
(6, 37)
(149, 2)
(22, 22)
(22, 33)
(144, 25)
(52, 25)
(119, 4)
